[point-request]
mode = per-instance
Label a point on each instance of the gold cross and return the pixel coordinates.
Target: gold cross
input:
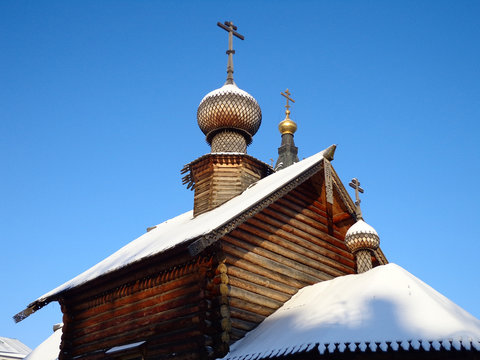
(287, 96)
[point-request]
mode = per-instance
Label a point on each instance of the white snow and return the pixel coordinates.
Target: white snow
(49, 349)
(361, 227)
(124, 347)
(185, 227)
(228, 89)
(385, 304)
(13, 348)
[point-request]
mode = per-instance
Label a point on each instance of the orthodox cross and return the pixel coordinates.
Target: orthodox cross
(356, 185)
(287, 96)
(228, 26)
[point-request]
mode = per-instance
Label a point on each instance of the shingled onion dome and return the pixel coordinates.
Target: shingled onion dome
(229, 117)
(361, 239)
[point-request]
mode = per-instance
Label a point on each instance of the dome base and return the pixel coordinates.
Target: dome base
(229, 142)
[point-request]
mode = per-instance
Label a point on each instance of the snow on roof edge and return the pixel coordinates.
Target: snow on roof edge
(148, 244)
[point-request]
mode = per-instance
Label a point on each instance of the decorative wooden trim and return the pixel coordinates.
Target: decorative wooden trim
(203, 242)
(328, 180)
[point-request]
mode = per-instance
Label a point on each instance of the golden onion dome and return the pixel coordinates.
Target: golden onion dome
(361, 236)
(287, 126)
(229, 108)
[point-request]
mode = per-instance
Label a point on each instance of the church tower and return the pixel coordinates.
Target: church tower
(287, 152)
(229, 117)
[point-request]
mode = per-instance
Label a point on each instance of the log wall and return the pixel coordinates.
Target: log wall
(171, 311)
(293, 243)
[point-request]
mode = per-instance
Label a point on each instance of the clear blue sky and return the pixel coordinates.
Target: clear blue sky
(98, 105)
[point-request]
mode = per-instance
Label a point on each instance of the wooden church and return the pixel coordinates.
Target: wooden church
(190, 288)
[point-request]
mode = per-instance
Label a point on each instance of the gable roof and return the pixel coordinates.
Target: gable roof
(196, 232)
(383, 309)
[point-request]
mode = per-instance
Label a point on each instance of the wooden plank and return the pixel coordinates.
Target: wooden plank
(243, 325)
(293, 251)
(253, 298)
(110, 319)
(237, 238)
(301, 238)
(265, 258)
(260, 280)
(167, 290)
(246, 315)
(142, 324)
(250, 262)
(251, 307)
(305, 228)
(261, 290)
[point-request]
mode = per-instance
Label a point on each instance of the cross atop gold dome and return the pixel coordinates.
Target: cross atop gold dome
(287, 126)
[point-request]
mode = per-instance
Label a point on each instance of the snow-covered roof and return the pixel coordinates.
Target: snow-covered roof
(361, 227)
(185, 228)
(13, 348)
(49, 349)
(228, 89)
(383, 309)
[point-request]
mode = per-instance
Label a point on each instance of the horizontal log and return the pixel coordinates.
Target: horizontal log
(310, 215)
(261, 290)
(300, 277)
(292, 268)
(298, 237)
(162, 336)
(307, 205)
(309, 197)
(236, 334)
(184, 348)
(136, 311)
(243, 325)
(283, 247)
(140, 324)
(255, 298)
(260, 280)
(342, 217)
(300, 220)
(146, 291)
(299, 227)
(143, 299)
(246, 315)
(251, 307)
(236, 257)
(165, 269)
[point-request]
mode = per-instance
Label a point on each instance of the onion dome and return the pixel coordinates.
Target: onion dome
(361, 236)
(229, 117)
(287, 126)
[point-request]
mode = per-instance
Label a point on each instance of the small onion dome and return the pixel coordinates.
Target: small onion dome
(361, 236)
(229, 108)
(287, 126)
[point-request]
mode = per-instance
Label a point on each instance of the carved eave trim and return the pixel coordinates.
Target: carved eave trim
(203, 242)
